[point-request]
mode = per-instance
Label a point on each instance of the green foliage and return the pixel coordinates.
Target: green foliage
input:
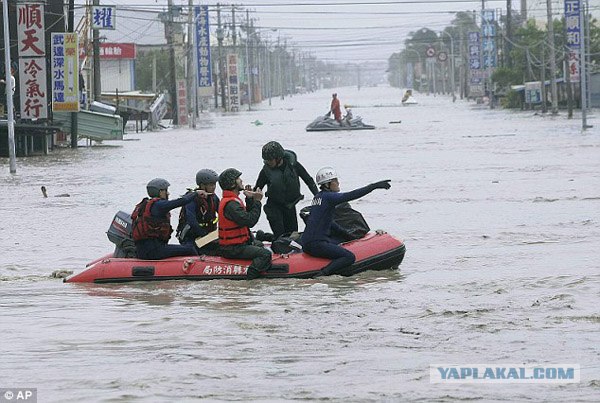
(143, 70)
(505, 77)
(512, 100)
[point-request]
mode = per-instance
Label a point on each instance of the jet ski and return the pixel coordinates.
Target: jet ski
(324, 123)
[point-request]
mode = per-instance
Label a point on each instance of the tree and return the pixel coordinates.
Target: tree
(143, 70)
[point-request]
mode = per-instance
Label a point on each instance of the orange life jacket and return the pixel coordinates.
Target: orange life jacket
(146, 226)
(231, 233)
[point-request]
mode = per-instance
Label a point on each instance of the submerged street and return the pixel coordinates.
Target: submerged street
(498, 210)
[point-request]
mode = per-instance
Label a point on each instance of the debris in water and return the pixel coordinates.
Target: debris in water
(61, 273)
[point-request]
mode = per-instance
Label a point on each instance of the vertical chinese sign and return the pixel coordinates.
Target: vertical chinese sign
(32, 60)
(103, 17)
(475, 71)
(65, 72)
(203, 46)
(182, 112)
(233, 83)
(488, 41)
(572, 21)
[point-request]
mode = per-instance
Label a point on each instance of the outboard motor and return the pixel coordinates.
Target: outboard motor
(120, 233)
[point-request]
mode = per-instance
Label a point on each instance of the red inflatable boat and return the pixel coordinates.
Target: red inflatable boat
(376, 251)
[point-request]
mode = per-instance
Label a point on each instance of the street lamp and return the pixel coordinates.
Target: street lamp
(451, 65)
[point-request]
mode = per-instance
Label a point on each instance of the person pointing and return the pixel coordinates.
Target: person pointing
(316, 239)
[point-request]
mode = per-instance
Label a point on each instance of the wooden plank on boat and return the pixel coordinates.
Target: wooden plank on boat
(203, 240)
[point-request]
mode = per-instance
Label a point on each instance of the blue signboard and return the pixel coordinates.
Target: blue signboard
(474, 51)
(488, 33)
(573, 23)
(203, 47)
(103, 17)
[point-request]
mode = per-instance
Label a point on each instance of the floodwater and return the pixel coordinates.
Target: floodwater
(499, 212)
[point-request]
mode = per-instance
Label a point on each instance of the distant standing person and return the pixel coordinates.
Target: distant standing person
(316, 239)
(235, 220)
(335, 108)
(281, 174)
(152, 222)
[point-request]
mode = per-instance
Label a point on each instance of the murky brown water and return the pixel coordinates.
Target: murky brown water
(499, 211)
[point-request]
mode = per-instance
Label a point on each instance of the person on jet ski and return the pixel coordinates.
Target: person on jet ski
(316, 239)
(348, 117)
(335, 108)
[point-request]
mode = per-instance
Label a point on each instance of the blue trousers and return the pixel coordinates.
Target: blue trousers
(341, 258)
(153, 249)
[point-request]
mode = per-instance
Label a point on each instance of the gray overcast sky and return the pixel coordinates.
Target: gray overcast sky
(332, 30)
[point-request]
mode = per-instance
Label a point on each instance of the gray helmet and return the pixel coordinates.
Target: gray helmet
(272, 151)
(228, 177)
(156, 185)
(206, 176)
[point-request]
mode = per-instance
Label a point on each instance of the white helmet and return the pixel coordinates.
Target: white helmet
(326, 175)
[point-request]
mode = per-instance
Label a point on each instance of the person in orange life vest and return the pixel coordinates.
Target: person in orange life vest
(199, 218)
(152, 222)
(335, 108)
(235, 220)
(317, 237)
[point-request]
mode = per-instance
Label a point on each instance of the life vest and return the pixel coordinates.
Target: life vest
(147, 226)
(206, 213)
(230, 232)
(283, 182)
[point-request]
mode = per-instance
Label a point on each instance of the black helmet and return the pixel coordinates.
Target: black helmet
(206, 176)
(272, 151)
(228, 177)
(156, 185)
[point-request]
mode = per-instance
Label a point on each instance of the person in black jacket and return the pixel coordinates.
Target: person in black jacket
(281, 174)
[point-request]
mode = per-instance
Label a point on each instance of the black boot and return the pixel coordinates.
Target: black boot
(252, 273)
(264, 236)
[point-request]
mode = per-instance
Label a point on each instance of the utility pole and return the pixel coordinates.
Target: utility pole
(543, 79)
(233, 30)
(553, 88)
(172, 71)
(154, 72)
(96, 64)
(508, 46)
(220, 38)
(10, 121)
(524, 10)
(583, 72)
(191, 53)
(74, 128)
(248, 72)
